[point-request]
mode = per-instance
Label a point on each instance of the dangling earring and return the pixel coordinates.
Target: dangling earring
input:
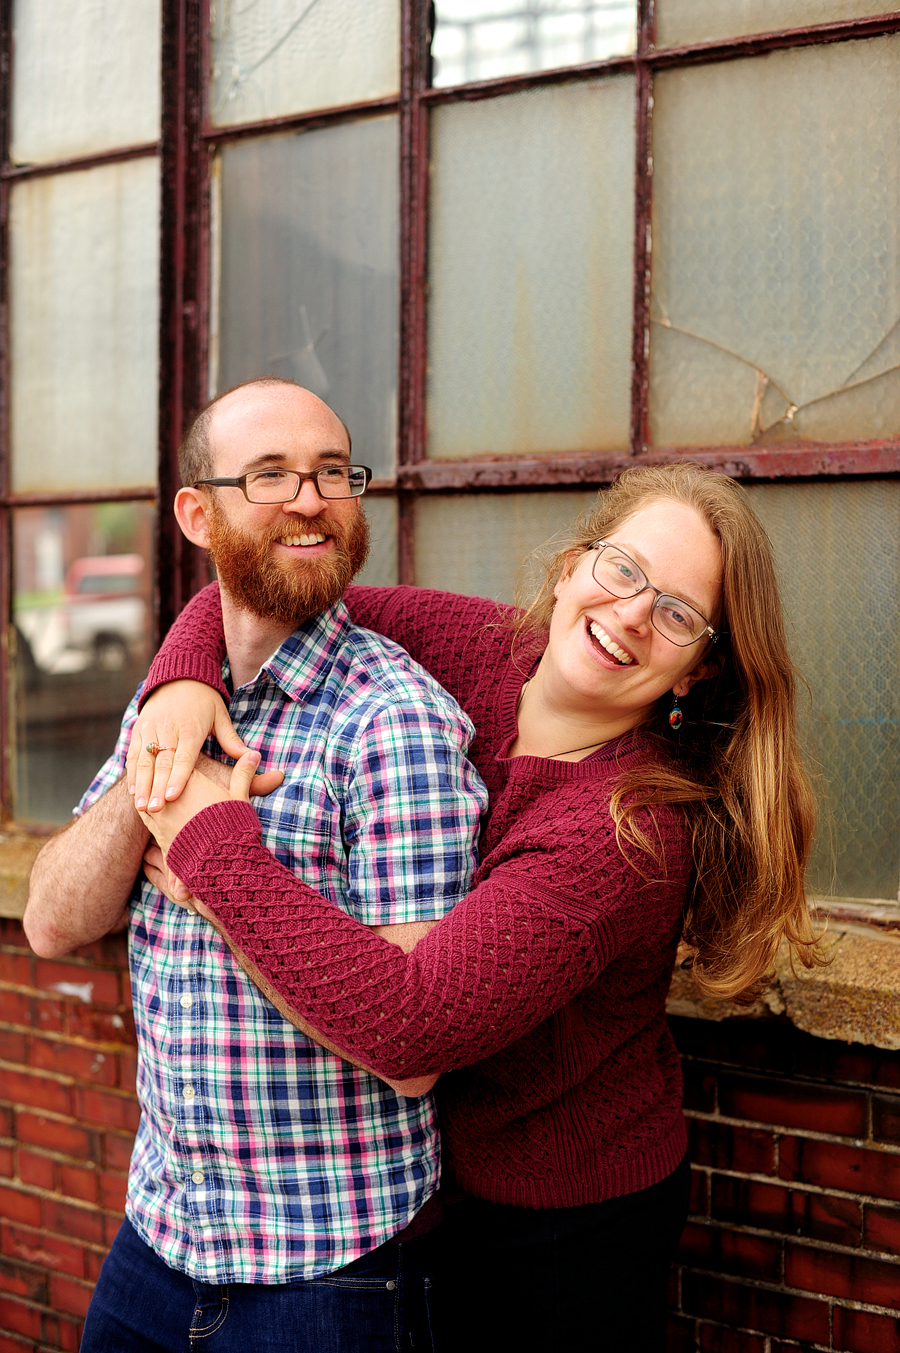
(675, 716)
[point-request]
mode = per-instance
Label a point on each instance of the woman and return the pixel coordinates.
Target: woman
(620, 819)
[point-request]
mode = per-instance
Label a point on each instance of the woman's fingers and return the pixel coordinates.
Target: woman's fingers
(242, 775)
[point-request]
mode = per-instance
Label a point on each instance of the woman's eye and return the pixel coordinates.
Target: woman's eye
(679, 618)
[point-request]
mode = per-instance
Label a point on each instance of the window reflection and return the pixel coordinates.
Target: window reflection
(486, 39)
(82, 617)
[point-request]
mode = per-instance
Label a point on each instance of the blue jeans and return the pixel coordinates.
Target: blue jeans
(378, 1304)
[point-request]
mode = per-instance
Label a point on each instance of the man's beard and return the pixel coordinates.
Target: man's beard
(285, 590)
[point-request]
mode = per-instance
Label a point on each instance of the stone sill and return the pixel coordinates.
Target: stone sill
(856, 998)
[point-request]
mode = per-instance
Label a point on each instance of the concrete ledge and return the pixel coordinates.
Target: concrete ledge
(855, 999)
(17, 853)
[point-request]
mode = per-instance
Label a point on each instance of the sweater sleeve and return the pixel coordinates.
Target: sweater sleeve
(194, 648)
(506, 957)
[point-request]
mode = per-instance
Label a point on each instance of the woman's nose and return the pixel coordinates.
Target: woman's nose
(635, 612)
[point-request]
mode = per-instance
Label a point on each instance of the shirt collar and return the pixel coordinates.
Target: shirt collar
(306, 657)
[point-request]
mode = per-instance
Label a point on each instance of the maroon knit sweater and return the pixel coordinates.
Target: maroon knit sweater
(542, 995)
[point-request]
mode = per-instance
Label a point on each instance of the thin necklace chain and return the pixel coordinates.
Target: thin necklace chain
(572, 750)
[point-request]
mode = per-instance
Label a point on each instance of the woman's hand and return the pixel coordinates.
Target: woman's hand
(178, 718)
(199, 793)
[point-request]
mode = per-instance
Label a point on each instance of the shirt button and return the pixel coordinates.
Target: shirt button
(188, 1092)
(390, 1285)
(187, 1002)
(198, 1176)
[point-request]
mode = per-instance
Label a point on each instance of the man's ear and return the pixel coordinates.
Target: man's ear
(191, 512)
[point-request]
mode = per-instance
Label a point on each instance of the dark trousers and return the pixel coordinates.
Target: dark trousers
(565, 1279)
(378, 1304)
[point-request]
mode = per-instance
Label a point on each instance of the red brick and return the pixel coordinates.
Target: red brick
(724, 1251)
(18, 1206)
(76, 1182)
(874, 1281)
(65, 1219)
(680, 1335)
(57, 1135)
(6, 1121)
(699, 1204)
(754, 1308)
(93, 1262)
(9, 1344)
(15, 968)
(112, 1190)
(68, 1335)
(106, 1107)
(70, 1296)
(699, 1087)
(100, 1026)
(39, 1092)
(882, 1228)
(834, 1165)
(795, 1104)
(15, 1007)
(886, 1118)
(13, 1045)
(49, 1014)
(36, 1169)
(717, 1339)
(864, 1332)
(21, 1280)
(749, 1150)
(749, 1202)
(117, 1150)
(128, 1070)
(74, 1059)
(37, 1247)
(62, 977)
(6, 1161)
(19, 1318)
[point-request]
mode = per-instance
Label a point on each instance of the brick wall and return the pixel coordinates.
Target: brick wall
(793, 1242)
(67, 1121)
(794, 1238)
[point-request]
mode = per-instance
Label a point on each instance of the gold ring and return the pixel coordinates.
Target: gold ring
(154, 748)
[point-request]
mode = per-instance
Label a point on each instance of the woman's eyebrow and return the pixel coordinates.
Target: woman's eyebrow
(640, 559)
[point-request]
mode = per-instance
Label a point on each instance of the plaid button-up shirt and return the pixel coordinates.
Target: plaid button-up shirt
(260, 1157)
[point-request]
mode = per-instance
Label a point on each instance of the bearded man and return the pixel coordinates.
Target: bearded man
(276, 1191)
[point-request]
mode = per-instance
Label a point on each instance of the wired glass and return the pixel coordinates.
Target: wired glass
(676, 620)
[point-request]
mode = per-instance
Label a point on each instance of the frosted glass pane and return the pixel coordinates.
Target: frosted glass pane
(684, 21)
(381, 568)
(84, 317)
(838, 547)
(274, 57)
(82, 579)
(484, 39)
(776, 260)
(309, 272)
(481, 543)
(86, 77)
(531, 254)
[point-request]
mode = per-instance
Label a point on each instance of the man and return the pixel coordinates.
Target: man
(268, 1175)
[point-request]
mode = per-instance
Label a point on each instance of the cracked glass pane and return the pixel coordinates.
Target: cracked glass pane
(306, 281)
(485, 39)
(682, 21)
(775, 311)
(838, 550)
(480, 543)
(530, 289)
(86, 77)
(270, 58)
(84, 319)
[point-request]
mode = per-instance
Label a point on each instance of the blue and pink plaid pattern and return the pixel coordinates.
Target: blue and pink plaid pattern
(260, 1157)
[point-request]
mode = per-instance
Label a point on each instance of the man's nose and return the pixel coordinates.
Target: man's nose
(308, 501)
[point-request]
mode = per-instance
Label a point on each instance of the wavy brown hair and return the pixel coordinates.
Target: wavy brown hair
(735, 766)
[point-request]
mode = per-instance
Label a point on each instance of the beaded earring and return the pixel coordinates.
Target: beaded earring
(675, 716)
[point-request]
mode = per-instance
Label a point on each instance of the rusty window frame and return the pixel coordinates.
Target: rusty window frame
(185, 150)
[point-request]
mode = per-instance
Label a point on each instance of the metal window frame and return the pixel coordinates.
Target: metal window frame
(187, 144)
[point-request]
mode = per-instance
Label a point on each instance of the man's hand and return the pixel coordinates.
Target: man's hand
(164, 880)
(199, 793)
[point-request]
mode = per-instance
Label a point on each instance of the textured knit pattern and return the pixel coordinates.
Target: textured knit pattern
(261, 1157)
(542, 995)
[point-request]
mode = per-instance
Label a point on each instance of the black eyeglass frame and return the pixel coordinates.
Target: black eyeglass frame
(241, 483)
(708, 633)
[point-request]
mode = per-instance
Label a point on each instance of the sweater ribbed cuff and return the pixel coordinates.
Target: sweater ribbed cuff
(202, 837)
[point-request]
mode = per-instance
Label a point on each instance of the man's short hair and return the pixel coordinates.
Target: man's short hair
(195, 454)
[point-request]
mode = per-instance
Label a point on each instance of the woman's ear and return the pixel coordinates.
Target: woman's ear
(708, 667)
(571, 560)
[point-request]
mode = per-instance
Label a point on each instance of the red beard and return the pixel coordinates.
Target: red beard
(284, 590)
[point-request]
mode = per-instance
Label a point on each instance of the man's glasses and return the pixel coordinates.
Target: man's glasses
(283, 486)
(676, 620)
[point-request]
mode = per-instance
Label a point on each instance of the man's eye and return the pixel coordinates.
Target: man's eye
(335, 472)
(268, 477)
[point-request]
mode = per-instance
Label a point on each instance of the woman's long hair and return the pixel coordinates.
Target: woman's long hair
(736, 766)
